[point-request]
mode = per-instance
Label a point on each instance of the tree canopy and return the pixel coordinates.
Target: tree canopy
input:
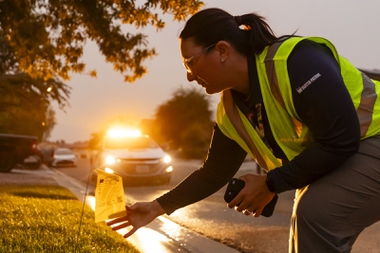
(184, 122)
(25, 101)
(48, 36)
(25, 104)
(42, 42)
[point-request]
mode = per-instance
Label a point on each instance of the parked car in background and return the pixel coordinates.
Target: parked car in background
(134, 157)
(64, 157)
(14, 149)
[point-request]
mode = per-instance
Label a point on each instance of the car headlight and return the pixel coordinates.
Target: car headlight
(109, 170)
(169, 169)
(110, 160)
(167, 159)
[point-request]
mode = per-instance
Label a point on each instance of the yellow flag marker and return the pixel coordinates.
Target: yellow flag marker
(109, 197)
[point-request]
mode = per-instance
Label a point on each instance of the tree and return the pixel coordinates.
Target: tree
(25, 104)
(48, 37)
(25, 101)
(185, 122)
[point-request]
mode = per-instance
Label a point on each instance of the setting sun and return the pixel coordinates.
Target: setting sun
(123, 132)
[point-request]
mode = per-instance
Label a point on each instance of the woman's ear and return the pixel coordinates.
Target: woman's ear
(223, 48)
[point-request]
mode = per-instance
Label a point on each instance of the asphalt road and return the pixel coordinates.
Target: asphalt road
(212, 218)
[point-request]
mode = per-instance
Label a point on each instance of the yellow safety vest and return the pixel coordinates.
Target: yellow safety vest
(291, 135)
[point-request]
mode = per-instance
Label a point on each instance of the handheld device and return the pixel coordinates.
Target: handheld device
(235, 186)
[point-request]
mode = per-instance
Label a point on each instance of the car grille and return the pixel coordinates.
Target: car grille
(140, 166)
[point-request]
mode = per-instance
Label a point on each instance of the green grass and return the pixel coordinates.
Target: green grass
(47, 219)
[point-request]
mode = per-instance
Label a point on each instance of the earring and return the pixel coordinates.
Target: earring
(222, 60)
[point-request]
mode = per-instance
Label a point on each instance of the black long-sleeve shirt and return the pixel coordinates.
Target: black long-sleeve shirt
(324, 106)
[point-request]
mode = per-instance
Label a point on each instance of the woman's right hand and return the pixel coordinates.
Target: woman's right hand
(138, 215)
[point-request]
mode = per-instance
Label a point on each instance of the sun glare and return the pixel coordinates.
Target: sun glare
(123, 132)
(90, 201)
(149, 241)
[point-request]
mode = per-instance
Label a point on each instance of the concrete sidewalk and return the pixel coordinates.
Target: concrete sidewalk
(161, 236)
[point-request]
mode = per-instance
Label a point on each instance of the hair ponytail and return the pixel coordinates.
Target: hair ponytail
(247, 33)
(260, 33)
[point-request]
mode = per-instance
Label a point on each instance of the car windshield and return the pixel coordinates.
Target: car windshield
(141, 142)
(63, 152)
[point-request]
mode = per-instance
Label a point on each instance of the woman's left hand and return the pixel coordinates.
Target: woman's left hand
(253, 197)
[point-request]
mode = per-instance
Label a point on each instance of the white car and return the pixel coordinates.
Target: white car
(64, 157)
(135, 157)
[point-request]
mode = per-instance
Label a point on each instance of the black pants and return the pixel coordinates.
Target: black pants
(329, 214)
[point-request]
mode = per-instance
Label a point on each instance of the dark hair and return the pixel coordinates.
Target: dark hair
(247, 33)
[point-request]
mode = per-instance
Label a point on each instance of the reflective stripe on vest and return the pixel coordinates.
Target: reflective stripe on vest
(232, 122)
(365, 98)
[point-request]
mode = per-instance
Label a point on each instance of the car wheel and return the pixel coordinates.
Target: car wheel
(7, 161)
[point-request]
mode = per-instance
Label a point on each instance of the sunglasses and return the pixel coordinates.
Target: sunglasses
(187, 61)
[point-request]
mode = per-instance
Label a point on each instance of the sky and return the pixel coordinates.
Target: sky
(351, 25)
